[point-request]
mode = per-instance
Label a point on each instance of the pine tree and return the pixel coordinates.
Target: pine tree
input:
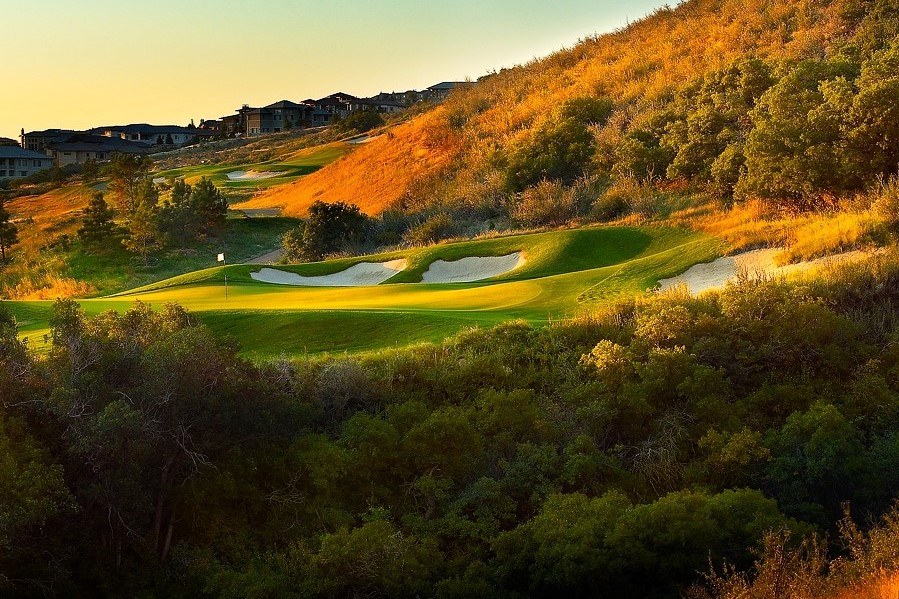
(209, 206)
(177, 218)
(143, 226)
(96, 226)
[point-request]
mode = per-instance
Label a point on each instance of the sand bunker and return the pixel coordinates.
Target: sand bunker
(358, 275)
(252, 175)
(471, 269)
(715, 275)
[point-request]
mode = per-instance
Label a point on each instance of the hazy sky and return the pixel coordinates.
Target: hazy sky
(89, 63)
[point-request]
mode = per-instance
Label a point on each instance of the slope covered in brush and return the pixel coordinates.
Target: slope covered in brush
(773, 99)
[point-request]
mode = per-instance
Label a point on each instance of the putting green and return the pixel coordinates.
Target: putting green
(566, 273)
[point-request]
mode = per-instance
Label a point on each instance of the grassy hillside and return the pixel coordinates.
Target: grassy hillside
(450, 154)
(376, 175)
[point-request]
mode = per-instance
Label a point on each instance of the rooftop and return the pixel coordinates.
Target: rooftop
(17, 152)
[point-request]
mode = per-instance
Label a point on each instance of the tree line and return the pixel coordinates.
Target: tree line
(189, 212)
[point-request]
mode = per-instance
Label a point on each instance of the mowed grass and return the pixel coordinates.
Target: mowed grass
(299, 164)
(567, 273)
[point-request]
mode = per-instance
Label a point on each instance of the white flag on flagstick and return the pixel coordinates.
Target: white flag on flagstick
(221, 257)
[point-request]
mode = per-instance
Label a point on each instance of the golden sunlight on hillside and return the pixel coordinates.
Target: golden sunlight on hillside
(438, 157)
(374, 175)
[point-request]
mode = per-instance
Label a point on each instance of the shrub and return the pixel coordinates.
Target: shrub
(547, 203)
(562, 149)
(436, 227)
(331, 228)
(886, 203)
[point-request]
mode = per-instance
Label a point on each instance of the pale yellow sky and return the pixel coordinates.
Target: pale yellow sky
(84, 64)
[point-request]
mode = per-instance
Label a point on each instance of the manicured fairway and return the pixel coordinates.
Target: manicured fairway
(567, 272)
(301, 163)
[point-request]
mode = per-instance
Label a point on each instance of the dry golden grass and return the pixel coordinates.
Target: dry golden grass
(804, 236)
(56, 212)
(41, 219)
(879, 586)
(440, 152)
(373, 176)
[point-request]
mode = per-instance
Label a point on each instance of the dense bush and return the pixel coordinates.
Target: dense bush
(329, 229)
(562, 149)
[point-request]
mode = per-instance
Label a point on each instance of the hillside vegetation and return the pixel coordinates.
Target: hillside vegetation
(555, 431)
(623, 450)
(789, 102)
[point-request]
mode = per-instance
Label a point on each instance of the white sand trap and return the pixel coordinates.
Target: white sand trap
(358, 275)
(475, 268)
(252, 175)
(715, 275)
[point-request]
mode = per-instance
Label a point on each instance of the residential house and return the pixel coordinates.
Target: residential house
(215, 126)
(339, 104)
(274, 118)
(441, 91)
(37, 141)
(16, 162)
(378, 105)
(81, 147)
(234, 123)
(155, 135)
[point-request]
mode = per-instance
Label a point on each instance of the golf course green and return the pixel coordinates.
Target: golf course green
(566, 272)
(254, 175)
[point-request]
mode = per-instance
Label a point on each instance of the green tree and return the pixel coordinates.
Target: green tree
(178, 220)
(798, 148)
(143, 223)
(209, 206)
(9, 232)
(562, 148)
(127, 173)
(331, 228)
(96, 223)
(875, 112)
(360, 121)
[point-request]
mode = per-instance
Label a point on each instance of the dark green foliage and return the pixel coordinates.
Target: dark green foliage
(142, 224)
(97, 227)
(798, 148)
(641, 154)
(620, 451)
(9, 233)
(562, 149)
(177, 218)
(127, 173)
(330, 228)
(209, 206)
(360, 121)
(433, 229)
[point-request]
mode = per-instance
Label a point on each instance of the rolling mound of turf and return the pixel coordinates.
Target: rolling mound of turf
(566, 272)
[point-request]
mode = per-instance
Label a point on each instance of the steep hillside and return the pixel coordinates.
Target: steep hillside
(460, 154)
(376, 174)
